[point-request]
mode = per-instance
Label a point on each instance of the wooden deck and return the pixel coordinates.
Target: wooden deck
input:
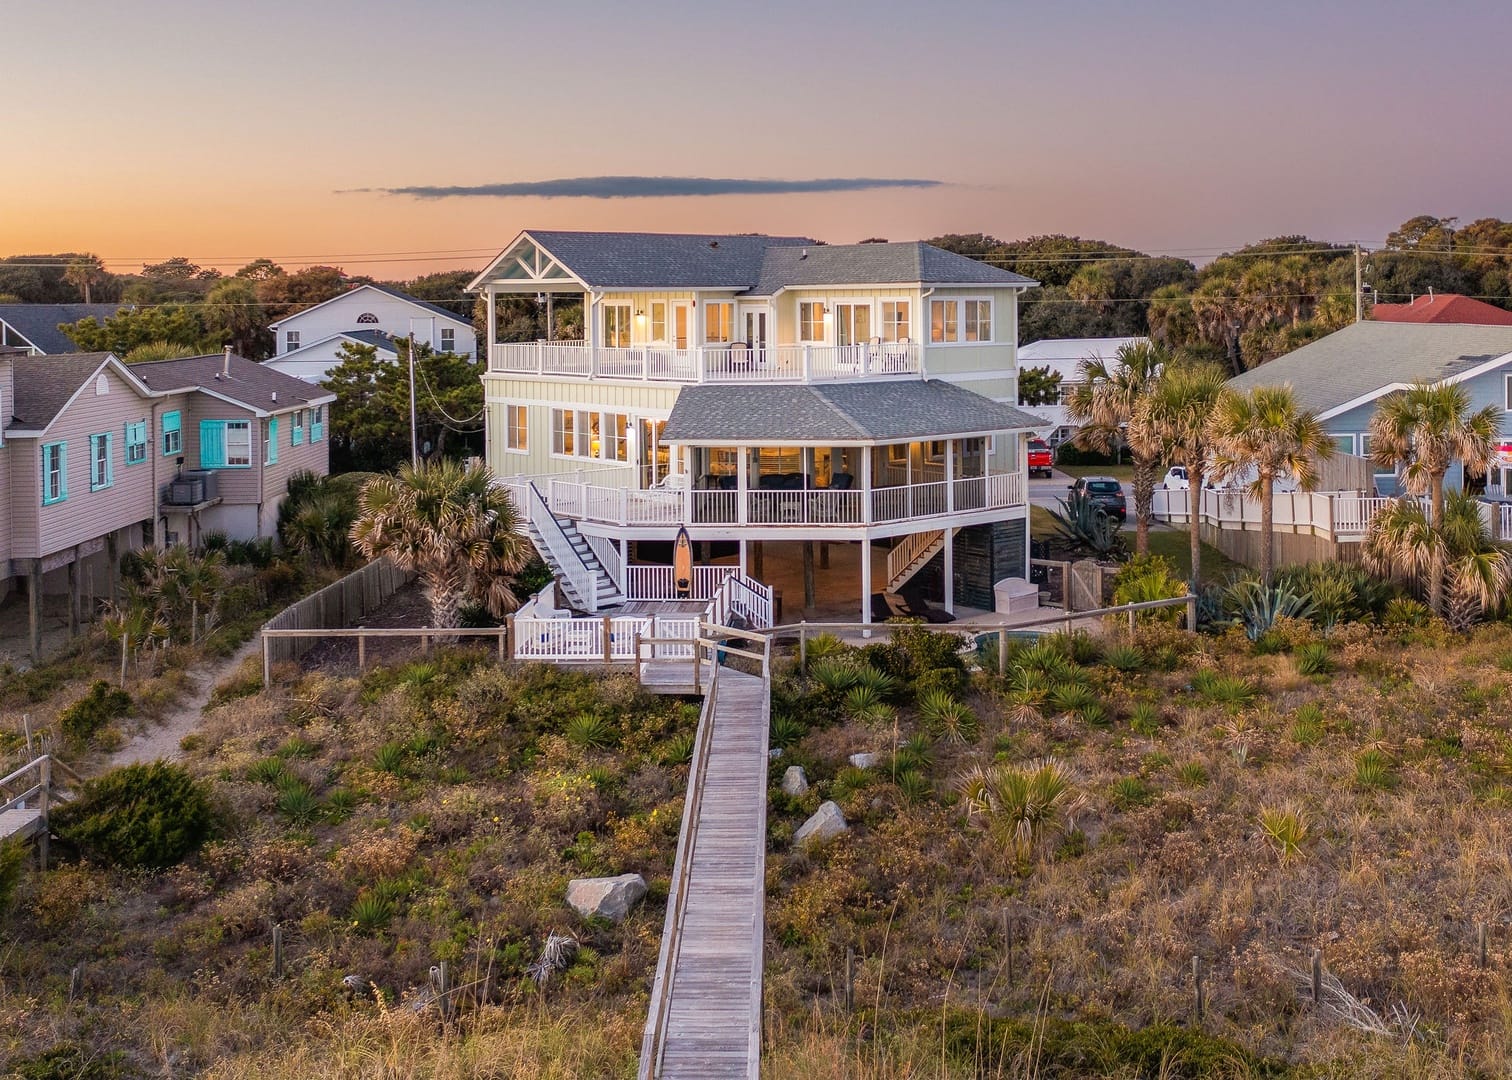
(21, 821)
(710, 978)
(675, 676)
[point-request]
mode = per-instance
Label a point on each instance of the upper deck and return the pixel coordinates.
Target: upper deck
(722, 363)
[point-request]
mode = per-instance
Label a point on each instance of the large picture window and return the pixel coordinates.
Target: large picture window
(583, 433)
(955, 321)
(719, 323)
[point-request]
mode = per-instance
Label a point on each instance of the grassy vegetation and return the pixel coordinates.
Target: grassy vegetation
(1029, 872)
(1176, 545)
(1123, 473)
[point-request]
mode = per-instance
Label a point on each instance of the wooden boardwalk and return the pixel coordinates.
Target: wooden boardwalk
(706, 1012)
(20, 821)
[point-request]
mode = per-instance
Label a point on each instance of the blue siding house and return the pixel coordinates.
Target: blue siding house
(1343, 376)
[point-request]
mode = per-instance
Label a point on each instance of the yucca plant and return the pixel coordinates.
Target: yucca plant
(850, 780)
(1128, 792)
(946, 718)
(1070, 697)
(824, 646)
(269, 770)
(913, 786)
(296, 747)
(1285, 829)
(915, 754)
(1192, 774)
(601, 777)
(1373, 771)
(1124, 657)
(1306, 729)
(372, 911)
(389, 758)
(1313, 659)
(340, 804)
(1258, 608)
(589, 731)
(833, 674)
(1027, 688)
(879, 682)
(1095, 714)
(1234, 691)
(678, 750)
(787, 730)
(862, 702)
(1144, 718)
(1023, 804)
(297, 803)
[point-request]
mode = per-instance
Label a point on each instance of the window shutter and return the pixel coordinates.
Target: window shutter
(272, 458)
(63, 472)
(109, 458)
(212, 444)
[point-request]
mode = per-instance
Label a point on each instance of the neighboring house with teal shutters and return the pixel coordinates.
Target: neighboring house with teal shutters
(848, 410)
(98, 458)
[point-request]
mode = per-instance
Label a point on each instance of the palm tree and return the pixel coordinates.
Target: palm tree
(84, 273)
(1403, 541)
(133, 624)
(1103, 402)
(1423, 431)
(451, 526)
(1265, 431)
(1170, 423)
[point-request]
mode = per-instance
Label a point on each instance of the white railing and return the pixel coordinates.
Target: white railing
(710, 363)
(604, 640)
(743, 596)
(910, 501)
(1331, 514)
(804, 507)
(902, 554)
(659, 583)
(607, 552)
(1505, 532)
(569, 564)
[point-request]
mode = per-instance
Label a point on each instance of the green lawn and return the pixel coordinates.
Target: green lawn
(1175, 545)
(1122, 473)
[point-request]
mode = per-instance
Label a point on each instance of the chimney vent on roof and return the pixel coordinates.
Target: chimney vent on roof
(226, 363)
(275, 397)
(714, 243)
(803, 254)
(1430, 294)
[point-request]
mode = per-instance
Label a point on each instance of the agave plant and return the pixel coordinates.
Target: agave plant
(1086, 524)
(1023, 804)
(834, 675)
(1259, 607)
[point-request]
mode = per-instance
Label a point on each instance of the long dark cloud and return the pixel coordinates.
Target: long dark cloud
(652, 187)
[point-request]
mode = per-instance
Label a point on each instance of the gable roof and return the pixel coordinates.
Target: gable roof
(250, 385)
(1443, 308)
(841, 412)
(386, 290)
(44, 384)
(38, 323)
(755, 264)
(1074, 350)
(1367, 359)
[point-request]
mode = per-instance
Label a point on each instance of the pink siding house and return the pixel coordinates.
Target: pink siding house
(98, 458)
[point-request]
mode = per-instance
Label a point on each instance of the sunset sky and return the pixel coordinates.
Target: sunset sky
(226, 132)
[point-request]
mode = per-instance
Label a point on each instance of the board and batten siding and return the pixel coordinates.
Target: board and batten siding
(86, 515)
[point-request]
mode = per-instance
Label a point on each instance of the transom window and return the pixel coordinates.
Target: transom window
(367, 318)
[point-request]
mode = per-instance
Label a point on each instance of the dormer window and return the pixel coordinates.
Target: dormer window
(367, 318)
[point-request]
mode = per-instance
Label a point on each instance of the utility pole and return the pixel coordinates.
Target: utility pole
(414, 437)
(1359, 290)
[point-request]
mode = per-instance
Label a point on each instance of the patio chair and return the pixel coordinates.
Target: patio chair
(740, 356)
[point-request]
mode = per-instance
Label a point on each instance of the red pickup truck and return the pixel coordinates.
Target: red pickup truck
(1041, 457)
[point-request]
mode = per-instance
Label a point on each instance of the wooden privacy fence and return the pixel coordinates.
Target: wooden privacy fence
(334, 607)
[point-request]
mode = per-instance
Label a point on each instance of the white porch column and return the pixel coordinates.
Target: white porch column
(866, 584)
(744, 561)
(590, 330)
(866, 485)
(491, 336)
(949, 570)
(742, 485)
(950, 452)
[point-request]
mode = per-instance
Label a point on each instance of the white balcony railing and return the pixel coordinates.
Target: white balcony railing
(817, 506)
(711, 363)
(1332, 514)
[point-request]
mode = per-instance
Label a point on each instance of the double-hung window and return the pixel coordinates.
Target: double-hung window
(564, 432)
(225, 444)
(297, 428)
(659, 321)
(616, 326)
(976, 319)
(448, 339)
(291, 340)
(616, 437)
(101, 468)
(516, 429)
(54, 473)
(136, 442)
(811, 320)
(173, 435)
(272, 442)
(719, 323)
(895, 320)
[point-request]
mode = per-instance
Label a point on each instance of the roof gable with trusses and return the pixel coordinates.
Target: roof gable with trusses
(526, 266)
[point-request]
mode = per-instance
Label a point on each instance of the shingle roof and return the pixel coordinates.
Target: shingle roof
(757, 264)
(43, 385)
(1364, 357)
(376, 338)
(38, 323)
(250, 384)
(434, 309)
(843, 412)
(1444, 308)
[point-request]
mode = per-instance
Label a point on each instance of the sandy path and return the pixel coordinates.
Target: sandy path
(162, 741)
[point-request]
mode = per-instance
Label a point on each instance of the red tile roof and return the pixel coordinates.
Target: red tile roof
(1444, 308)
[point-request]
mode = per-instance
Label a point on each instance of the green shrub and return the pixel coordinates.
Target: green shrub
(13, 859)
(340, 804)
(1144, 718)
(1071, 697)
(589, 731)
(148, 815)
(1232, 690)
(1314, 659)
(372, 911)
(296, 803)
(74, 1062)
(915, 754)
(390, 758)
(1404, 612)
(678, 750)
(1192, 774)
(1095, 714)
(787, 730)
(1373, 771)
(270, 770)
(913, 786)
(102, 704)
(1078, 646)
(1124, 657)
(1128, 792)
(878, 682)
(834, 675)
(823, 646)
(1150, 577)
(862, 702)
(946, 718)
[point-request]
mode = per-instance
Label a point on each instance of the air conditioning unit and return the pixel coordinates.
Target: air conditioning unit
(186, 491)
(209, 481)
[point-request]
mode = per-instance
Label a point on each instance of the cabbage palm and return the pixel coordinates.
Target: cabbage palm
(1103, 402)
(1459, 554)
(451, 526)
(1424, 430)
(1170, 423)
(1265, 430)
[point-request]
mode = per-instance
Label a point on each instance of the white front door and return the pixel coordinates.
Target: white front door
(755, 328)
(852, 324)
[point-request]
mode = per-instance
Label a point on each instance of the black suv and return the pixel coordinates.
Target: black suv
(1105, 491)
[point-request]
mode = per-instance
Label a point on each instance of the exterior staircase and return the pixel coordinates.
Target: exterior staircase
(910, 555)
(586, 583)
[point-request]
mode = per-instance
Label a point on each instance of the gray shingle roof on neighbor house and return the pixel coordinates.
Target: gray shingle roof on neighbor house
(842, 412)
(38, 323)
(1366, 356)
(250, 384)
(43, 385)
(434, 309)
(759, 265)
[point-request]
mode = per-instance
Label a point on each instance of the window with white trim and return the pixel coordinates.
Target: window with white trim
(616, 326)
(1507, 393)
(895, 320)
(516, 430)
(1365, 444)
(976, 319)
(173, 435)
(852, 323)
(564, 432)
(1344, 444)
(719, 323)
(238, 442)
(54, 473)
(101, 467)
(659, 320)
(291, 340)
(136, 442)
(616, 437)
(448, 339)
(943, 321)
(811, 321)
(955, 321)
(584, 433)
